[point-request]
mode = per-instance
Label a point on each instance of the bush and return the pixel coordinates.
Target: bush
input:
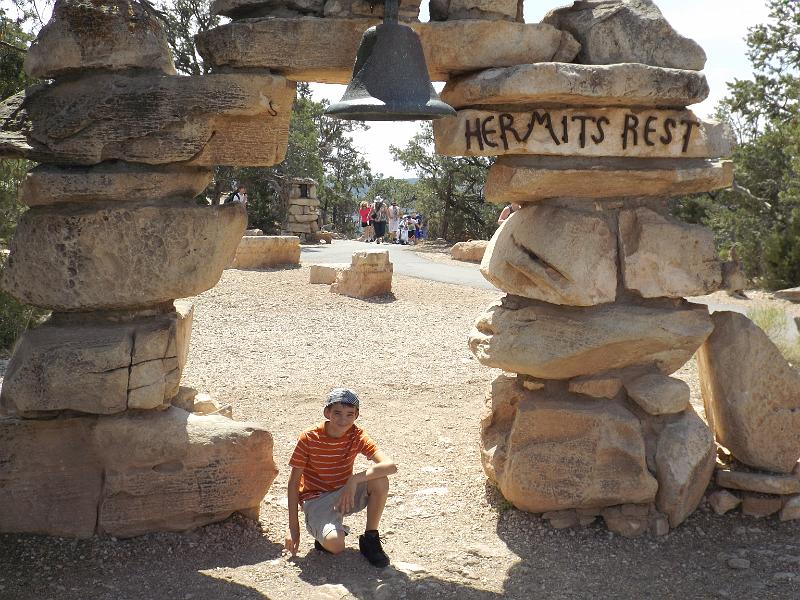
(15, 318)
(774, 322)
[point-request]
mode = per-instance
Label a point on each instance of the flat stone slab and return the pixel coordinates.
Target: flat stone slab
(112, 35)
(506, 10)
(129, 474)
(241, 9)
(111, 182)
(630, 132)
(323, 50)
(765, 483)
(98, 366)
(558, 342)
(657, 394)
(790, 294)
(533, 85)
(262, 251)
(121, 256)
(237, 119)
(326, 273)
(526, 179)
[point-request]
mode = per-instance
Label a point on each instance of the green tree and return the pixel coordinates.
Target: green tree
(183, 19)
(759, 214)
(449, 189)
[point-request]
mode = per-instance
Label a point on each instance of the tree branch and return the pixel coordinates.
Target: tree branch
(12, 46)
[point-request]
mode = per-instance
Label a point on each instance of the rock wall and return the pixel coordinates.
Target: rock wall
(587, 421)
(90, 439)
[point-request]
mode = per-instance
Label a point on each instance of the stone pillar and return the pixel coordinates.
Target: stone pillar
(587, 420)
(90, 438)
(302, 215)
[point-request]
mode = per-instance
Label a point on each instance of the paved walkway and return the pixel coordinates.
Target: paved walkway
(405, 261)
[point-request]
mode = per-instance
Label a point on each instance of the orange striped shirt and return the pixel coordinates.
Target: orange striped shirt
(327, 462)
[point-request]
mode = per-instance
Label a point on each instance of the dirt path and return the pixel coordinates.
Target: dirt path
(273, 345)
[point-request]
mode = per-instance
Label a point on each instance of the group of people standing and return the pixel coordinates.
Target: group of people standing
(379, 220)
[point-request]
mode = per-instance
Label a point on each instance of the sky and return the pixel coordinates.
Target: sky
(719, 26)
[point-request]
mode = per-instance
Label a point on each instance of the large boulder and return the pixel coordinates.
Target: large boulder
(237, 119)
(626, 31)
(248, 9)
(554, 254)
(559, 342)
(369, 274)
(684, 460)
(322, 50)
(111, 182)
(525, 179)
(50, 477)
(662, 256)
(471, 251)
(751, 394)
(262, 251)
(172, 471)
(130, 474)
(533, 85)
(551, 450)
(110, 35)
(121, 256)
(494, 10)
(98, 366)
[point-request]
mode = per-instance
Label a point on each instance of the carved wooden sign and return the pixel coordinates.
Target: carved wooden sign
(636, 133)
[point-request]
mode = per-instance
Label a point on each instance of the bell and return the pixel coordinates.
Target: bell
(390, 77)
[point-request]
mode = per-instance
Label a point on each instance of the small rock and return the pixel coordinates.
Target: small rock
(722, 501)
(784, 576)
(409, 568)
(739, 563)
(791, 509)
(766, 483)
(561, 519)
(760, 505)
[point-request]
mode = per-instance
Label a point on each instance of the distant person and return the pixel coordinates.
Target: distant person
(394, 223)
(404, 230)
(508, 211)
(238, 197)
(363, 215)
(380, 218)
(417, 228)
(323, 482)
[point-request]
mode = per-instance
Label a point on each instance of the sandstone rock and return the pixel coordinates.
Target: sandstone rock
(525, 179)
(325, 273)
(247, 9)
(531, 384)
(51, 484)
(551, 450)
(618, 131)
(665, 257)
(791, 509)
(766, 483)
(171, 471)
(185, 398)
(538, 84)
(235, 118)
(561, 519)
(112, 35)
(790, 294)
(369, 274)
(345, 9)
(555, 342)
(471, 251)
(554, 254)
(684, 459)
(120, 256)
(322, 50)
(108, 182)
(760, 505)
(98, 366)
(657, 394)
(723, 501)
(258, 252)
(596, 386)
(625, 525)
(204, 404)
(496, 10)
(751, 394)
(626, 31)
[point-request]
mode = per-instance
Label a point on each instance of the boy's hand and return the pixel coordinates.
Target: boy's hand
(292, 542)
(347, 500)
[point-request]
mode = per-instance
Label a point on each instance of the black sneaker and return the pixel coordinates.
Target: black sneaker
(372, 550)
(321, 548)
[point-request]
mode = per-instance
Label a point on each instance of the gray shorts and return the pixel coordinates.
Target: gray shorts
(321, 518)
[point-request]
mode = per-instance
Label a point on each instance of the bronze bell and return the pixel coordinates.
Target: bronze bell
(390, 77)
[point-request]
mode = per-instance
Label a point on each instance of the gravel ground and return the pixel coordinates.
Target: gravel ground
(272, 345)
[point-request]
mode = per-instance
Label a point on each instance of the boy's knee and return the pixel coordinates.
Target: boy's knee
(334, 542)
(378, 486)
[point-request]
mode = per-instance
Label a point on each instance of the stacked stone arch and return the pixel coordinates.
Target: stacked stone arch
(589, 115)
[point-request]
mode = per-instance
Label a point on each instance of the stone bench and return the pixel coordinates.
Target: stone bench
(261, 251)
(326, 273)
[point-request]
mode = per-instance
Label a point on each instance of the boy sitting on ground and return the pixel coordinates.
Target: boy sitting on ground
(323, 482)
